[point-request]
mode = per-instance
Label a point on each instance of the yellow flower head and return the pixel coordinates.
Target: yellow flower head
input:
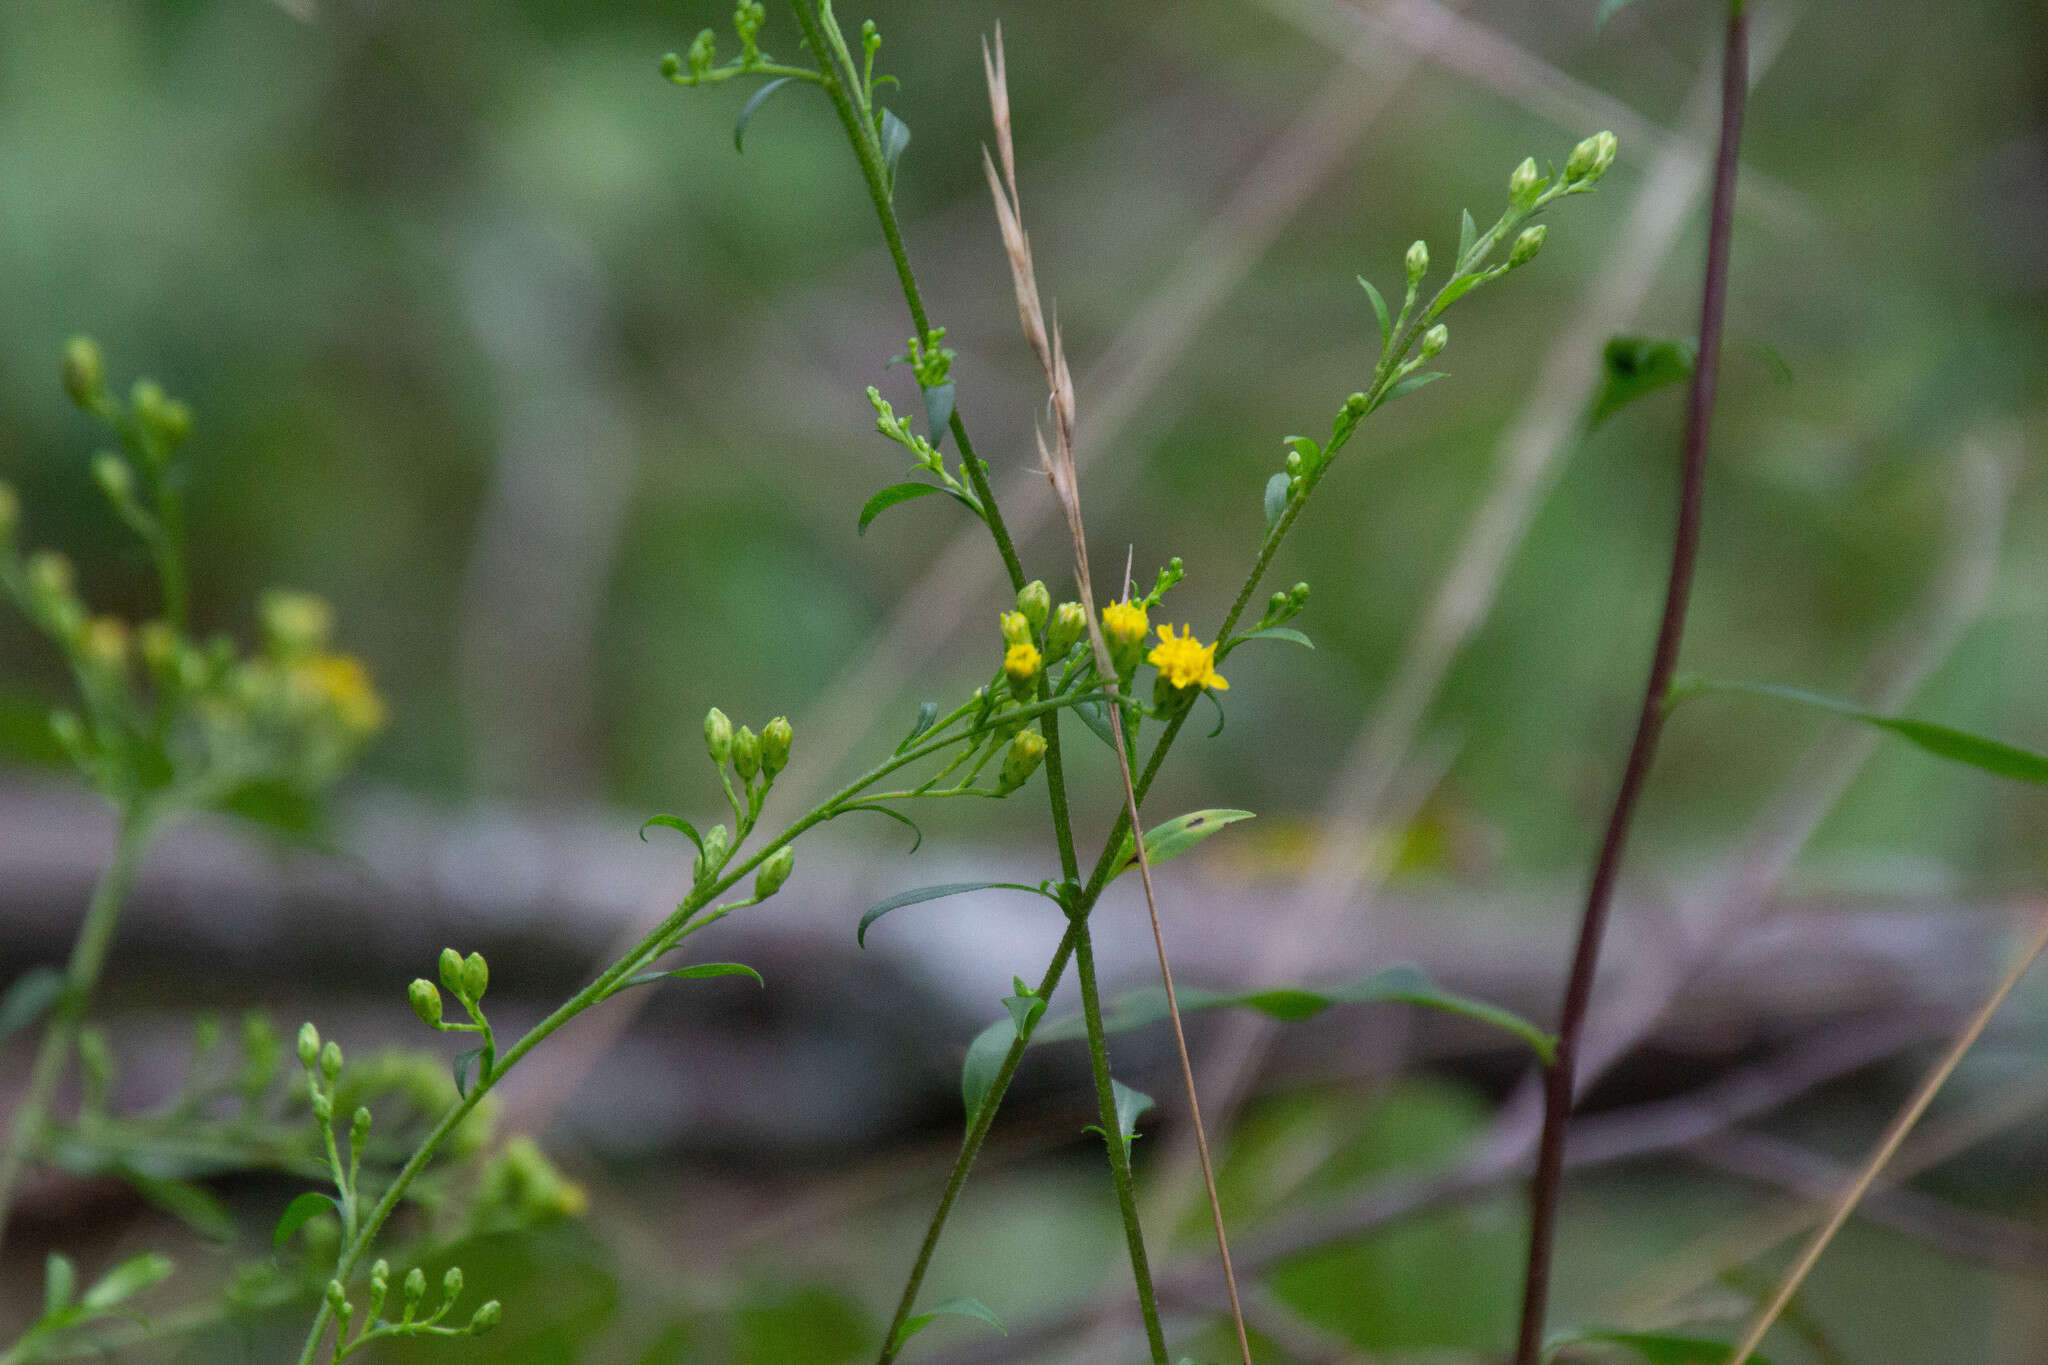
(1124, 623)
(343, 683)
(1185, 662)
(1022, 663)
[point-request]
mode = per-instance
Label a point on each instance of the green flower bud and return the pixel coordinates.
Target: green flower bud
(83, 371)
(746, 753)
(1525, 184)
(671, 65)
(1357, 404)
(415, 1286)
(476, 976)
(10, 513)
(380, 1276)
(337, 1299)
(1434, 340)
(359, 1133)
(323, 1106)
(776, 737)
(1016, 628)
(295, 623)
(158, 645)
(1418, 261)
(451, 1284)
(1035, 603)
(1292, 464)
(169, 420)
(451, 970)
(702, 49)
(49, 576)
(330, 1061)
(1299, 592)
(309, 1045)
(1022, 759)
(716, 842)
(1527, 245)
(113, 475)
(104, 644)
(425, 998)
(717, 735)
(774, 872)
(486, 1317)
(1591, 158)
(1067, 625)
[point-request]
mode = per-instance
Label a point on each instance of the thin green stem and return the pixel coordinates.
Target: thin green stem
(88, 955)
(1113, 1140)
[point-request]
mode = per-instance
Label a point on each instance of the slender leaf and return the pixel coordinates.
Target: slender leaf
(1401, 984)
(1458, 289)
(984, 1062)
(1379, 309)
(938, 412)
(125, 1281)
(1636, 366)
(895, 137)
(697, 972)
(900, 818)
(752, 107)
(958, 1308)
(299, 1212)
(1468, 235)
(1177, 836)
(465, 1065)
(33, 992)
(1129, 1105)
(1657, 1348)
(927, 716)
(932, 893)
(895, 493)
(674, 822)
(186, 1202)
(1276, 498)
(1287, 633)
(1414, 382)
(1094, 714)
(1942, 741)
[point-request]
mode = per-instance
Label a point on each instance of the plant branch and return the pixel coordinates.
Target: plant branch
(1558, 1081)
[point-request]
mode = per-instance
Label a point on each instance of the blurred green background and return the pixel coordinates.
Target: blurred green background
(496, 342)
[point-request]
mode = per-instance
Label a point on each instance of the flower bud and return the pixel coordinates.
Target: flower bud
(1418, 262)
(717, 735)
(380, 1276)
(486, 1317)
(1434, 340)
(476, 976)
(158, 645)
(1357, 404)
(49, 576)
(451, 1284)
(1591, 158)
(451, 970)
(716, 842)
(1035, 603)
(1022, 663)
(426, 1001)
(83, 371)
(1016, 629)
(415, 1286)
(746, 753)
(10, 513)
(1022, 759)
(309, 1045)
(1525, 183)
(337, 1299)
(1527, 245)
(1123, 628)
(112, 474)
(776, 737)
(169, 420)
(295, 623)
(323, 1106)
(1067, 625)
(105, 644)
(358, 1134)
(330, 1060)
(774, 872)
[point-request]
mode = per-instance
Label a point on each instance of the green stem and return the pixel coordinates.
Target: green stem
(1113, 1141)
(88, 955)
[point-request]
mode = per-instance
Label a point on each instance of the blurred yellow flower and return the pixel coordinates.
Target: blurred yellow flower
(343, 682)
(1186, 662)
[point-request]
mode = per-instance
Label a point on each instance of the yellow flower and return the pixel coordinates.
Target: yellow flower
(343, 682)
(1022, 663)
(1185, 662)
(1124, 623)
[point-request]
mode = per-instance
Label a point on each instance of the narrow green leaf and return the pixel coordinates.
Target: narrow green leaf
(1942, 741)
(33, 992)
(895, 137)
(958, 1308)
(890, 496)
(1400, 984)
(1177, 836)
(1457, 289)
(900, 818)
(1414, 382)
(1276, 498)
(1129, 1105)
(1608, 9)
(932, 893)
(938, 412)
(927, 716)
(1379, 308)
(1094, 714)
(465, 1066)
(299, 1212)
(1636, 366)
(697, 972)
(186, 1202)
(984, 1061)
(752, 107)
(674, 822)
(1287, 633)
(60, 1278)
(1657, 1348)
(125, 1281)
(1468, 234)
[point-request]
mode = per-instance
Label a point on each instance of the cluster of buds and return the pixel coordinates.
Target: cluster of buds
(755, 760)
(765, 754)
(409, 1323)
(696, 68)
(1284, 606)
(465, 978)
